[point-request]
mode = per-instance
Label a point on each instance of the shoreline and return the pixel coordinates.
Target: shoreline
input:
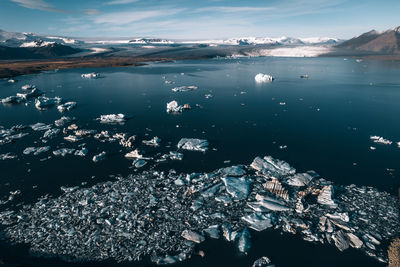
(10, 69)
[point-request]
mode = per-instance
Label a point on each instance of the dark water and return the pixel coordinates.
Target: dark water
(325, 123)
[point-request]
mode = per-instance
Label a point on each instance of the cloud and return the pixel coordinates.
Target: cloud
(39, 5)
(120, 2)
(121, 18)
(91, 12)
(232, 9)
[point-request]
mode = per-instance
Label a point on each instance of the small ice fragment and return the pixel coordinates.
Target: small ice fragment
(238, 188)
(28, 87)
(43, 102)
(72, 138)
(380, 140)
(63, 152)
(26, 95)
(259, 221)
(263, 262)
(192, 236)
(51, 133)
(36, 150)
(173, 107)
(139, 163)
(112, 118)
(263, 78)
(325, 197)
(40, 126)
(92, 75)
(304, 76)
(7, 156)
(66, 106)
(184, 88)
(153, 142)
(83, 152)
(99, 157)
(12, 99)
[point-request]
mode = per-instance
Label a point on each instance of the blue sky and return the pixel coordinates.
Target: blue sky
(199, 19)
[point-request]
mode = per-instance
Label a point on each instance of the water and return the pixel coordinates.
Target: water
(325, 122)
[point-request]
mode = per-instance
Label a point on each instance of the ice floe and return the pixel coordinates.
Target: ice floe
(184, 88)
(36, 150)
(193, 144)
(99, 157)
(66, 106)
(113, 118)
(263, 78)
(43, 102)
(380, 140)
(91, 75)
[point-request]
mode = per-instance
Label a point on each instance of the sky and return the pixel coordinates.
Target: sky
(199, 19)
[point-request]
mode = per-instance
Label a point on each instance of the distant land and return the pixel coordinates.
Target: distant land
(26, 53)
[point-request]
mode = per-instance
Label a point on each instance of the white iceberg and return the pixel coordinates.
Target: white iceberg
(173, 107)
(99, 157)
(153, 142)
(112, 118)
(13, 99)
(185, 88)
(66, 106)
(43, 102)
(238, 188)
(259, 221)
(92, 75)
(28, 87)
(36, 150)
(263, 78)
(193, 144)
(380, 140)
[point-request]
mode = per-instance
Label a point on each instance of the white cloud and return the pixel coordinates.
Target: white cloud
(38, 4)
(92, 11)
(121, 18)
(120, 2)
(232, 9)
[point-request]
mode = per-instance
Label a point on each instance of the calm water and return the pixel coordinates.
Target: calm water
(325, 122)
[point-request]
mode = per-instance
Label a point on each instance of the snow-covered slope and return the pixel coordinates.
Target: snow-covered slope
(18, 39)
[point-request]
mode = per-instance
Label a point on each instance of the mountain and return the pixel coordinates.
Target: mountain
(39, 52)
(387, 42)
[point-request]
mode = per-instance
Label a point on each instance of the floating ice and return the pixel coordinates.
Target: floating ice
(272, 167)
(263, 262)
(40, 126)
(193, 144)
(326, 195)
(51, 133)
(99, 157)
(299, 179)
(139, 163)
(26, 95)
(28, 87)
(7, 156)
(91, 75)
(63, 152)
(233, 171)
(72, 138)
(112, 118)
(66, 106)
(12, 99)
(238, 188)
(81, 153)
(173, 107)
(36, 150)
(62, 121)
(43, 102)
(184, 88)
(259, 221)
(153, 142)
(192, 236)
(380, 140)
(263, 78)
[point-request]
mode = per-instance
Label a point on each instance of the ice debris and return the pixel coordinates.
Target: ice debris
(163, 215)
(153, 142)
(184, 88)
(91, 75)
(36, 150)
(12, 100)
(380, 140)
(43, 102)
(40, 126)
(28, 87)
(99, 157)
(112, 118)
(263, 78)
(263, 262)
(173, 107)
(7, 156)
(66, 106)
(193, 144)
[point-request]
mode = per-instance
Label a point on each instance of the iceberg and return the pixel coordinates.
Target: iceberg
(184, 88)
(238, 188)
(259, 221)
(173, 107)
(63, 152)
(192, 236)
(263, 78)
(66, 106)
(380, 140)
(272, 167)
(26, 95)
(36, 150)
(326, 195)
(43, 102)
(28, 87)
(92, 75)
(153, 142)
(193, 144)
(13, 99)
(8, 156)
(113, 118)
(99, 157)
(40, 126)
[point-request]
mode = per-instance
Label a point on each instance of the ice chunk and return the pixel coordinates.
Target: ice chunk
(72, 138)
(81, 153)
(99, 157)
(173, 107)
(174, 155)
(7, 156)
(50, 133)
(66, 106)
(263, 262)
(63, 152)
(341, 241)
(134, 155)
(380, 140)
(26, 95)
(193, 144)
(244, 243)
(233, 171)
(213, 231)
(62, 121)
(259, 221)
(354, 241)
(83, 132)
(91, 75)
(28, 87)
(267, 204)
(299, 179)
(184, 88)
(36, 150)
(40, 126)
(325, 197)
(272, 167)
(153, 142)
(112, 118)
(12, 99)
(263, 78)
(238, 188)
(43, 102)
(192, 236)
(139, 163)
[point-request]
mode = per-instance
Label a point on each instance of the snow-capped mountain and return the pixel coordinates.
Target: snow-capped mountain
(270, 41)
(19, 39)
(150, 41)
